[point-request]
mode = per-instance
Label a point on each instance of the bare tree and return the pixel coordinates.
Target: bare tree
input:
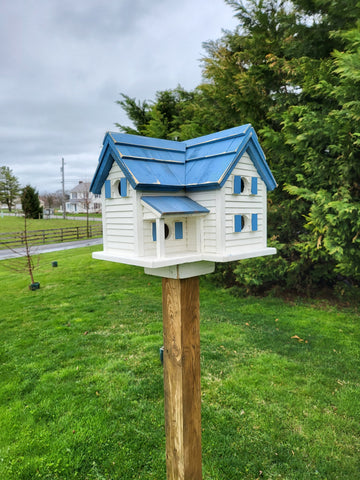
(24, 259)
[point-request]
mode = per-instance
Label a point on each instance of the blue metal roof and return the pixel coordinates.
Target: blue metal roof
(169, 205)
(200, 163)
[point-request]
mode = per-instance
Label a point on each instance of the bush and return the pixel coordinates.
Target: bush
(297, 268)
(254, 275)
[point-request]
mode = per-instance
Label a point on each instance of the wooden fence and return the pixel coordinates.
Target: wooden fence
(53, 235)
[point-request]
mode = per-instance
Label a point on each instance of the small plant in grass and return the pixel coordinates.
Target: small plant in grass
(25, 263)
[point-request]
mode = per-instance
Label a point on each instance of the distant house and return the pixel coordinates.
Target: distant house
(82, 200)
(168, 203)
(16, 206)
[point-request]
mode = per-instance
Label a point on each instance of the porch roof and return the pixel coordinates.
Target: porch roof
(171, 205)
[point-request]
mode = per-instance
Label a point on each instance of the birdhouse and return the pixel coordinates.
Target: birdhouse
(176, 208)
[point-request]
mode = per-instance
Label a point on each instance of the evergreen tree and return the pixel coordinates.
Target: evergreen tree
(30, 203)
(277, 72)
(328, 143)
(9, 187)
(291, 69)
(137, 112)
(167, 117)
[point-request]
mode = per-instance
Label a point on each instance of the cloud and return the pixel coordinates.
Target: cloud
(65, 63)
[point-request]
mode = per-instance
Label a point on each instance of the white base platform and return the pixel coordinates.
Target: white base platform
(184, 266)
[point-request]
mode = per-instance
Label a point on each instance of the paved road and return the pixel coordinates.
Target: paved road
(54, 247)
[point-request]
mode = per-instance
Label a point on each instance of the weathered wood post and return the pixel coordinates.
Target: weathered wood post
(181, 318)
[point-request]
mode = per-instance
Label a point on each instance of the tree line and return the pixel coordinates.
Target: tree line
(292, 70)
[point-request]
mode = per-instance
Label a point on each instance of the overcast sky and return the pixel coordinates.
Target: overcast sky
(64, 64)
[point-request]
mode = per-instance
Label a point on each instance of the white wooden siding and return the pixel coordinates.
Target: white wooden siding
(119, 219)
(244, 204)
(149, 244)
(209, 224)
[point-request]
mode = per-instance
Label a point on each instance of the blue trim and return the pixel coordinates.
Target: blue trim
(262, 167)
(123, 187)
(254, 222)
(153, 227)
(202, 188)
(254, 185)
(237, 184)
(102, 171)
(107, 189)
(238, 220)
(159, 188)
(178, 230)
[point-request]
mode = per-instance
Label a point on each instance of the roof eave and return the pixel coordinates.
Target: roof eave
(101, 169)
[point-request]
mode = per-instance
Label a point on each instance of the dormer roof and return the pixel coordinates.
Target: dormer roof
(197, 164)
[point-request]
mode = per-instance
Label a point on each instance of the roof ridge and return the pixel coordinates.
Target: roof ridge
(146, 142)
(219, 136)
(194, 159)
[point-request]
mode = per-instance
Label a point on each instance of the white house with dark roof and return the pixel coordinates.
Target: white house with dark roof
(81, 200)
(168, 203)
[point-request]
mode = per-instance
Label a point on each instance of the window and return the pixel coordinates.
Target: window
(245, 185)
(239, 223)
(178, 230)
(239, 184)
(242, 223)
(107, 189)
(166, 231)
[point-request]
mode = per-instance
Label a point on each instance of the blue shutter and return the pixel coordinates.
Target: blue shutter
(254, 185)
(238, 223)
(107, 189)
(237, 184)
(254, 222)
(178, 230)
(153, 231)
(123, 187)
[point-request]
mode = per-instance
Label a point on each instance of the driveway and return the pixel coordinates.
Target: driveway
(53, 247)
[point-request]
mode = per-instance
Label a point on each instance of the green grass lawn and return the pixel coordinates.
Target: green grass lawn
(81, 392)
(16, 224)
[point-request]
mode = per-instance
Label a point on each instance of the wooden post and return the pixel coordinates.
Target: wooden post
(181, 317)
